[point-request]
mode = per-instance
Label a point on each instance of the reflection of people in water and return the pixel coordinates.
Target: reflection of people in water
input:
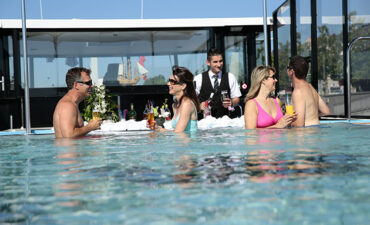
(184, 176)
(264, 136)
(67, 157)
(256, 166)
(271, 165)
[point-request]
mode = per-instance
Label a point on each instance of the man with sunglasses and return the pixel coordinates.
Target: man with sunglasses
(307, 103)
(67, 120)
(216, 81)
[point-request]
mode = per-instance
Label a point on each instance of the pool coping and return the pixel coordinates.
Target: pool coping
(23, 131)
(43, 131)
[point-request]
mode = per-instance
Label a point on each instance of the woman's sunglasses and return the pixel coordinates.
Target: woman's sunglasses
(174, 82)
(273, 77)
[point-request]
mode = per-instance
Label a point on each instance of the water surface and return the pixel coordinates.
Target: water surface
(312, 175)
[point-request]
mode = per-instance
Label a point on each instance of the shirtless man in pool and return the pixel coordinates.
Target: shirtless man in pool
(307, 103)
(67, 120)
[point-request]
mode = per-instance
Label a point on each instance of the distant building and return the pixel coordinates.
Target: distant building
(132, 57)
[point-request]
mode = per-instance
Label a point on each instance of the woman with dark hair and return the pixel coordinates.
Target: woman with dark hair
(182, 88)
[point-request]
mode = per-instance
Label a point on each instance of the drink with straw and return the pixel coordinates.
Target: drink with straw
(288, 104)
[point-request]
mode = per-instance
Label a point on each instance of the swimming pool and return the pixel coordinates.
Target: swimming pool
(311, 175)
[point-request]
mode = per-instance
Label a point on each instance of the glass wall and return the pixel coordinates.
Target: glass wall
(115, 58)
(331, 41)
(197, 62)
(304, 21)
(260, 49)
(234, 56)
(284, 44)
(11, 63)
(330, 54)
(359, 25)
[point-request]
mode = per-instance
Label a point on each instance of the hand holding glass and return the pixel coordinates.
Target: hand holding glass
(288, 105)
(226, 98)
(95, 115)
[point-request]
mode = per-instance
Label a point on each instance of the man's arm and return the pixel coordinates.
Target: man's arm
(68, 121)
(198, 86)
(235, 101)
(323, 108)
(234, 90)
(198, 83)
(299, 108)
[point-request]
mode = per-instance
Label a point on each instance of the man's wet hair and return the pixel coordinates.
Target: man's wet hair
(74, 75)
(300, 65)
(213, 52)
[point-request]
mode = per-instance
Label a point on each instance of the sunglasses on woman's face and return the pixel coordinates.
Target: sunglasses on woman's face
(273, 77)
(174, 82)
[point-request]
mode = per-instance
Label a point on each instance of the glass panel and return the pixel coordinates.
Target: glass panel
(11, 63)
(196, 62)
(260, 49)
(304, 30)
(330, 54)
(116, 58)
(359, 25)
(234, 57)
(284, 42)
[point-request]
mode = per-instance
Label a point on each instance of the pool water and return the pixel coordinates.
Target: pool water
(317, 175)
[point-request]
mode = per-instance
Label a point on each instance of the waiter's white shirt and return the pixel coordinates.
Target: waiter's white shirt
(233, 83)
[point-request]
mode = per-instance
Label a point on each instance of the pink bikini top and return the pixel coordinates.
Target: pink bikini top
(264, 119)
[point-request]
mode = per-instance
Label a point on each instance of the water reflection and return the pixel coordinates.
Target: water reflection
(65, 187)
(256, 166)
(268, 166)
(264, 136)
(70, 159)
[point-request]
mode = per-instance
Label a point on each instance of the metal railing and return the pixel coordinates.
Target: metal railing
(348, 86)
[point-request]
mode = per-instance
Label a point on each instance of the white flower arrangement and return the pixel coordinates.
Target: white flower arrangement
(100, 101)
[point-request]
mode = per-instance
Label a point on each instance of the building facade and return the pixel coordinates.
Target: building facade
(133, 58)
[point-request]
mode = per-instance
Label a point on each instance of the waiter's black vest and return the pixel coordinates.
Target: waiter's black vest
(217, 110)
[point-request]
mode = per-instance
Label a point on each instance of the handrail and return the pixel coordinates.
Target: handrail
(348, 86)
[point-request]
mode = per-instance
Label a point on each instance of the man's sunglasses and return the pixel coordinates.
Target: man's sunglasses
(174, 82)
(88, 83)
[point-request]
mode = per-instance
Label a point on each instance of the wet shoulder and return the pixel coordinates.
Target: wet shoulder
(187, 102)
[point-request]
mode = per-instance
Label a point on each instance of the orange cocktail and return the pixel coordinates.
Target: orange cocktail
(151, 121)
(289, 109)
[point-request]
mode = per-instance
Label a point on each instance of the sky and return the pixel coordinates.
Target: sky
(131, 9)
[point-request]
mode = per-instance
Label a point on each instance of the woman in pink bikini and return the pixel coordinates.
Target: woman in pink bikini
(262, 110)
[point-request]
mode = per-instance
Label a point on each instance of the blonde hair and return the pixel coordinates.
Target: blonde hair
(258, 75)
